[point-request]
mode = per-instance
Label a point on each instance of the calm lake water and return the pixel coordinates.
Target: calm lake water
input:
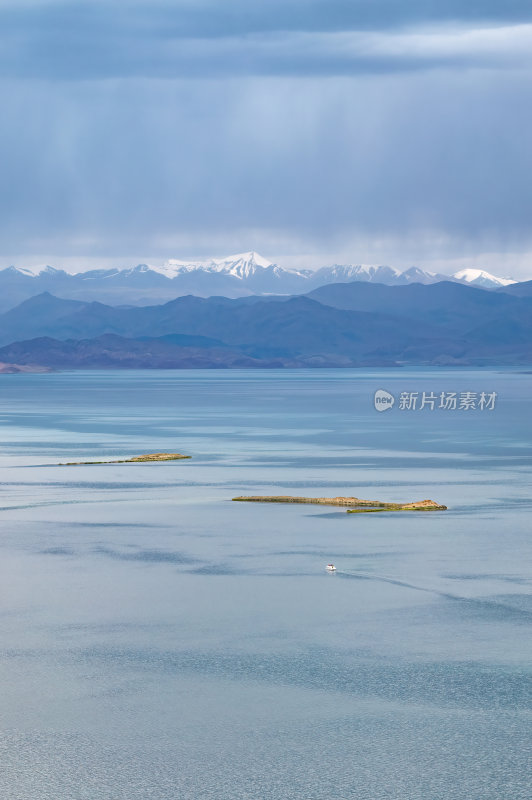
(159, 641)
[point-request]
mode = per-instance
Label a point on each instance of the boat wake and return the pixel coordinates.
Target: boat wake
(477, 602)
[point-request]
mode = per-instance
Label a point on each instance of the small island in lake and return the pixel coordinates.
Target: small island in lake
(14, 369)
(133, 460)
(357, 506)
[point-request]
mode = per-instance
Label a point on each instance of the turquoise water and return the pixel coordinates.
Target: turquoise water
(159, 641)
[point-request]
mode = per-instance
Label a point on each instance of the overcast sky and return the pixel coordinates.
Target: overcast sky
(313, 131)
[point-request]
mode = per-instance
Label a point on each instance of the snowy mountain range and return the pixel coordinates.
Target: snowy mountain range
(239, 275)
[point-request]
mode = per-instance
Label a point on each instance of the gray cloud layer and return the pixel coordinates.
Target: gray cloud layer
(185, 39)
(189, 128)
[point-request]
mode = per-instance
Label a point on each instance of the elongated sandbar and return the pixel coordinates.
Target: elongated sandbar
(133, 460)
(356, 505)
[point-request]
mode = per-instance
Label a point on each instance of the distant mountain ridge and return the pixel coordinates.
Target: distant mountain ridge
(240, 275)
(356, 324)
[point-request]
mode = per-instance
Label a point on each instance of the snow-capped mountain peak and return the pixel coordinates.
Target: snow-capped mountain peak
(346, 273)
(34, 272)
(417, 275)
(240, 265)
(250, 257)
(479, 277)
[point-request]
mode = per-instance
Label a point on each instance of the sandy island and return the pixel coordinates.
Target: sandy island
(133, 460)
(357, 506)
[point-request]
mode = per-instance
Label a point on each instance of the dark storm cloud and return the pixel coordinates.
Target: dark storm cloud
(137, 162)
(201, 18)
(139, 129)
(186, 39)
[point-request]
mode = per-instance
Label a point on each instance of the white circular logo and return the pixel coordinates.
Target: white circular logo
(383, 400)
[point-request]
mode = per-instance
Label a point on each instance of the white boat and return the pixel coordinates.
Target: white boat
(331, 568)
